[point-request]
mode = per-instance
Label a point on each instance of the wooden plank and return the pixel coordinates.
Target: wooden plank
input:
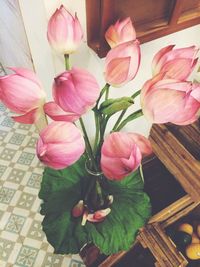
(177, 159)
(155, 248)
(180, 214)
(168, 250)
(189, 135)
(112, 259)
(168, 245)
(157, 264)
(172, 209)
(100, 13)
(142, 242)
(179, 4)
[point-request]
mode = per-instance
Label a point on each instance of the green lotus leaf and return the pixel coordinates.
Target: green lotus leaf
(61, 191)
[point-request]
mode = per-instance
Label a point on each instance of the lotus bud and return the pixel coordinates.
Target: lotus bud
(22, 93)
(74, 92)
(121, 32)
(64, 31)
(170, 100)
(60, 145)
(120, 156)
(122, 63)
(175, 63)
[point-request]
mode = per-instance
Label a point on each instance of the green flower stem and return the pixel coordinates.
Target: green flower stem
(105, 88)
(89, 189)
(119, 120)
(98, 119)
(103, 124)
(131, 117)
(107, 92)
(136, 94)
(67, 63)
(97, 134)
(99, 192)
(123, 112)
(88, 146)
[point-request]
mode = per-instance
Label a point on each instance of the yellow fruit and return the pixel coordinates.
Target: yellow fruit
(195, 239)
(198, 230)
(193, 251)
(187, 228)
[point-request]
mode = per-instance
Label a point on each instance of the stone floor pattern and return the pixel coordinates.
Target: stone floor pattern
(22, 242)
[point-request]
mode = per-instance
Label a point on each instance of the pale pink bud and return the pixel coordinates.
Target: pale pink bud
(60, 145)
(64, 31)
(122, 63)
(99, 215)
(22, 93)
(120, 156)
(121, 32)
(78, 209)
(175, 63)
(170, 100)
(74, 92)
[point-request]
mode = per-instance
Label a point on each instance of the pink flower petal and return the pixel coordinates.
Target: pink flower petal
(28, 74)
(117, 70)
(158, 56)
(56, 113)
(60, 145)
(28, 118)
(142, 142)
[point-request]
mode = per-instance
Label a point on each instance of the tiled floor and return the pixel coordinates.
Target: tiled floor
(22, 242)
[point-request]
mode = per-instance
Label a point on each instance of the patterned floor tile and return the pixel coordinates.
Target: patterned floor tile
(2, 107)
(16, 175)
(17, 139)
(15, 223)
(6, 247)
(2, 169)
(26, 256)
(35, 231)
(8, 122)
(35, 180)
(3, 135)
(24, 127)
(26, 201)
(22, 241)
(1, 214)
(26, 158)
(6, 195)
(8, 154)
(75, 263)
(32, 142)
(52, 260)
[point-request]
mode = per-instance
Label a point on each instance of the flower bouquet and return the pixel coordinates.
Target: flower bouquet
(93, 192)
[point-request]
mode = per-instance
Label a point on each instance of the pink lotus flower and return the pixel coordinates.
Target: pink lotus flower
(175, 63)
(122, 63)
(121, 32)
(64, 31)
(170, 100)
(74, 93)
(60, 145)
(97, 216)
(121, 155)
(22, 93)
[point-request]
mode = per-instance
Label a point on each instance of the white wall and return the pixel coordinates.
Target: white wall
(47, 64)
(14, 48)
